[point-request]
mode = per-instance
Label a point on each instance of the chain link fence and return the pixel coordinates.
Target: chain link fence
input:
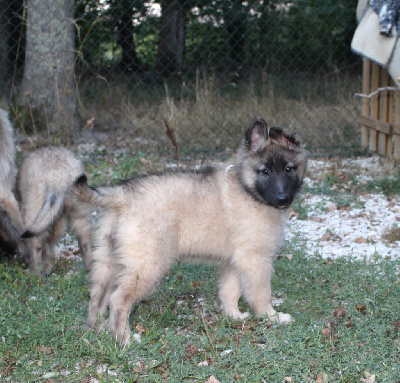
(181, 76)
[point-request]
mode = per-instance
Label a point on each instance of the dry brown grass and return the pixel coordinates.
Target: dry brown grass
(203, 115)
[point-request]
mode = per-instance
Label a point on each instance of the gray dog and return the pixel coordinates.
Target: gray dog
(45, 180)
(10, 218)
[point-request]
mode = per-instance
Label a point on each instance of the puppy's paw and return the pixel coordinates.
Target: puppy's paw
(243, 316)
(236, 314)
(285, 318)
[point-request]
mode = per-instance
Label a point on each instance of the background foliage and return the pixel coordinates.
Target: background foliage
(202, 69)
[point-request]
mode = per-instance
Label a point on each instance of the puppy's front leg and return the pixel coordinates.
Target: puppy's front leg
(255, 275)
(230, 292)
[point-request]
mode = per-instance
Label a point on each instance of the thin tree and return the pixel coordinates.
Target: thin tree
(4, 75)
(48, 86)
(172, 36)
(124, 20)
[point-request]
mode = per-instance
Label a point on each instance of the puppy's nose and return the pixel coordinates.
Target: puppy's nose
(282, 199)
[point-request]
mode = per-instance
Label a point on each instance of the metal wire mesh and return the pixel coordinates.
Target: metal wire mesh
(183, 75)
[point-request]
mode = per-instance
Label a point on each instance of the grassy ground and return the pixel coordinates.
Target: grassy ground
(346, 328)
(346, 325)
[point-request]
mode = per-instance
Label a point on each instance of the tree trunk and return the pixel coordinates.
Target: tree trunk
(48, 85)
(172, 36)
(16, 40)
(235, 24)
(4, 64)
(125, 35)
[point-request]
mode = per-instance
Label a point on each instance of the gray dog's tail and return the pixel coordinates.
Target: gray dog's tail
(8, 223)
(49, 213)
(51, 210)
(102, 197)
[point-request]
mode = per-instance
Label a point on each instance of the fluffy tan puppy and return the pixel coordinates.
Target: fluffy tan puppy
(233, 216)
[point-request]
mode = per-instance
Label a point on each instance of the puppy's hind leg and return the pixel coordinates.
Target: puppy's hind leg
(35, 250)
(56, 232)
(102, 280)
(82, 227)
(133, 285)
(81, 224)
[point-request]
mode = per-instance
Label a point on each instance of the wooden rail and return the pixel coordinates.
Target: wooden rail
(380, 112)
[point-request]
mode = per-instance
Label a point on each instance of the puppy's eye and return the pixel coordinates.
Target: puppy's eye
(264, 171)
(289, 169)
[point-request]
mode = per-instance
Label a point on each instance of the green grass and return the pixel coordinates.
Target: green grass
(346, 311)
(43, 339)
(387, 185)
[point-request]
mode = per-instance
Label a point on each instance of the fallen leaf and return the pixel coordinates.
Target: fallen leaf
(396, 328)
(360, 240)
(145, 161)
(212, 379)
(141, 367)
(328, 330)
(331, 207)
(339, 312)
(140, 328)
(90, 123)
(45, 350)
(362, 309)
(326, 237)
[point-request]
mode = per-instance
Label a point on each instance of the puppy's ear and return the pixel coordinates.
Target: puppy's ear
(284, 137)
(256, 134)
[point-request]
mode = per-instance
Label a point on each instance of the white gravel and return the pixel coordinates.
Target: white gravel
(356, 230)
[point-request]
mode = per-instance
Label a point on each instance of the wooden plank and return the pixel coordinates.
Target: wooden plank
(389, 141)
(365, 101)
(373, 135)
(367, 121)
(382, 127)
(383, 111)
(396, 128)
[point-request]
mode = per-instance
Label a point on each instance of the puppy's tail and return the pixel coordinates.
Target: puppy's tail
(102, 197)
(53, 206)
